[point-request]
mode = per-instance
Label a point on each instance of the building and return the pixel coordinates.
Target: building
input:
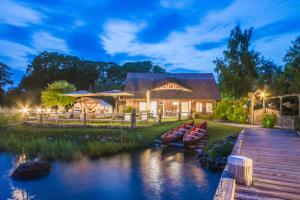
(93, 106)
(172, 93)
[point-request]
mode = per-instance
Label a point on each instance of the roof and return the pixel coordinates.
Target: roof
(78, 93)
(203, 85)
(93, 100)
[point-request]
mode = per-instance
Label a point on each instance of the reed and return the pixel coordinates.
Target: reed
(67, 143)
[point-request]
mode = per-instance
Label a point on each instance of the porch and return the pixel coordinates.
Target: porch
(171, 108)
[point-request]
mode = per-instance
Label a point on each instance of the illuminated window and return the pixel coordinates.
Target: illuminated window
(198, 107)
(142, 106)
(209, 108)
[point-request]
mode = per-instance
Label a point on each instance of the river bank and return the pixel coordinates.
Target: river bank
(74, 143)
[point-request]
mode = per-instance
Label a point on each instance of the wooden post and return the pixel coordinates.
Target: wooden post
(179, 113)
(41, 117)
(84, 117)
(241, 168)
(133, 118)
(280, 106)
(252, 110)
(299, 106)
(159, 117)
(264, 105)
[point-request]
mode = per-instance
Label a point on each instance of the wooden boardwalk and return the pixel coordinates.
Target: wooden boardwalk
(276, 164)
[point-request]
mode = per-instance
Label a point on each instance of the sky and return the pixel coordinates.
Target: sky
(179, 35)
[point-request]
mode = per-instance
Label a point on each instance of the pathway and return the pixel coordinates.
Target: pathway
(276, 161)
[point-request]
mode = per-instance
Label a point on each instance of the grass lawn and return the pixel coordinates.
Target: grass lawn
(69, 143)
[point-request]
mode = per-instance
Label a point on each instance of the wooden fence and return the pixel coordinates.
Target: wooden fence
(258, 114)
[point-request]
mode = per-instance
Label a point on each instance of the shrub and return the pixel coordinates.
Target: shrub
(269, 120)
(232, 110)
(3, 121)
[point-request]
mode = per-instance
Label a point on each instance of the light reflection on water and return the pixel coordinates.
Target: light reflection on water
(145, 174)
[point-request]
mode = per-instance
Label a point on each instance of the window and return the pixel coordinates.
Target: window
(198, 107)
(209, 108)
(142, 106)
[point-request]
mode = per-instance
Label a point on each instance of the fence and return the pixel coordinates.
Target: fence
(289, 122)
(258, 114)
(115, 120)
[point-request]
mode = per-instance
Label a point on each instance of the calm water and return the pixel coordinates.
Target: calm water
(154, 173)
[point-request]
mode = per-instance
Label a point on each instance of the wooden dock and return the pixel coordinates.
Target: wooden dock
(276, 164)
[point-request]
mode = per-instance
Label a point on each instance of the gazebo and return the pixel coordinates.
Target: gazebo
(116, 94)
(80, 94)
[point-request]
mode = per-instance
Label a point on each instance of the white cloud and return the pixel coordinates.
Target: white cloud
(44, 41)
(16, 54)
(179, 49)
(18, 15)
(78, 23)
(177, 4)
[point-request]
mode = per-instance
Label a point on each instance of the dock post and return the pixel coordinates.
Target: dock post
(241, 168)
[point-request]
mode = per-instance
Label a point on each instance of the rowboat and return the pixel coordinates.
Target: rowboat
(176, 134)
(194, 135)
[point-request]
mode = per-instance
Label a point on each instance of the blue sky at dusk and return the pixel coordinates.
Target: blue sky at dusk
(182, 36)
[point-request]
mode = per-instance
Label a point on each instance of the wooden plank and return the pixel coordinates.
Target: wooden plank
(249, 196)
(276, 160)
(276, 187)
(268, 193)
(226, 188)
(276, 180)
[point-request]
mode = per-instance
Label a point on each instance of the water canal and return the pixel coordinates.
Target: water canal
(153, 173)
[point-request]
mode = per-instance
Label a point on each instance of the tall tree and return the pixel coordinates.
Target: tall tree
(292, 68)
(5, 79)
(237, 70)
(269, 74)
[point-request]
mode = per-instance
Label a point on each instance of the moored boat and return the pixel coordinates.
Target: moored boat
(31, 170)
(176, 134)
(194, 135)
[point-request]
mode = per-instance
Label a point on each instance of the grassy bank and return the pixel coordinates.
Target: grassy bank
(68, 143)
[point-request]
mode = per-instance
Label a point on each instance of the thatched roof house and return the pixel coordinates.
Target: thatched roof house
(172, 92)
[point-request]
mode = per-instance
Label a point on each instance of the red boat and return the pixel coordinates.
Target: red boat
(176, 134)
(194, 135)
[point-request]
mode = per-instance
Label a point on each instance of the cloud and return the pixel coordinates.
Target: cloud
(177, 4)
(181, 47)
(14, 54)
(44, 41)
(18, 15)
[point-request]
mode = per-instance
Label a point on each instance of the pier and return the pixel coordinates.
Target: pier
(276, 166)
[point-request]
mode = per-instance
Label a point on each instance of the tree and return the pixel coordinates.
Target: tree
(292, 68)
(5, 79)
(269, 74)
(237, 70)
(51, 95)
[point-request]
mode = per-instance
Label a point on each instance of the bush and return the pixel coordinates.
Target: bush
(269, 120)
(203, 116)
(3, 121)
(232, 110)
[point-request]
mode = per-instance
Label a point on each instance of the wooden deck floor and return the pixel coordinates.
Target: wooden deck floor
(276, 164)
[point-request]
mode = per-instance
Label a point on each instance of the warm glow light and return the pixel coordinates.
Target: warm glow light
(48, 110)
(39, 110)
(24, 110)
(263, 94)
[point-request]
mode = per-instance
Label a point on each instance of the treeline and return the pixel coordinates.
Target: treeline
(83, 74)
(242, 69)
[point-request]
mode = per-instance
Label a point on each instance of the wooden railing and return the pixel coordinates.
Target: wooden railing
(226, 187)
